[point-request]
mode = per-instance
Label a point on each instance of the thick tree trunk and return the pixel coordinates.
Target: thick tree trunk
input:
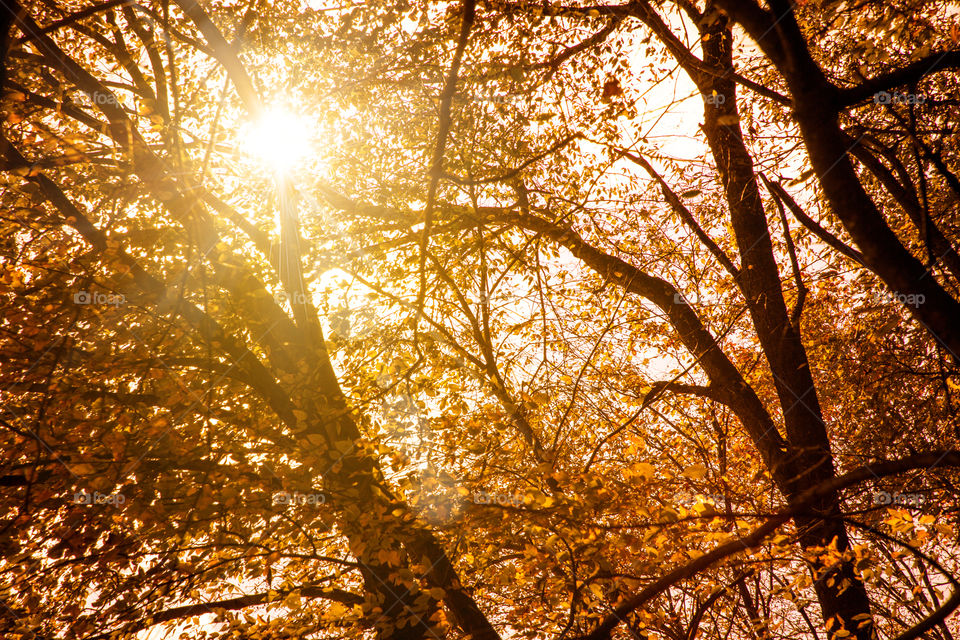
(809, 460)
(6, 21)
(816, 106)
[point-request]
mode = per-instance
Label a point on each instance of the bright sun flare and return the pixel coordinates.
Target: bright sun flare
(279, 140)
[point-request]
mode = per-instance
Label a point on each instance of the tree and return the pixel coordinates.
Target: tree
(594, 389)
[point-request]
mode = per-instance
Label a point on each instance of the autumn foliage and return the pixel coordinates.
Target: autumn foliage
(484, 320)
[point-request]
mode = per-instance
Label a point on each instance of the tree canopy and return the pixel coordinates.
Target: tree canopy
(479, 319)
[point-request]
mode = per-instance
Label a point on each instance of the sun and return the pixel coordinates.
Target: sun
(278, 139)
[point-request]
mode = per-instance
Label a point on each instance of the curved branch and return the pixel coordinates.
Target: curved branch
(792, 251)
(949, 458)
(157, 291)
(76, 17)
(681, 210)
(952, 604)
(695, 337)
(908, 201)
(240, 602)
(512, 173)
(554, 64)
(813, 226)
(435, 170)
(662, 386)
(225, 54)
(913, 72)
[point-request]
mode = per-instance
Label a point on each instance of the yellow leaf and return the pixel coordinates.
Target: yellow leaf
(644, 469)
(695, 472)
(81, 469)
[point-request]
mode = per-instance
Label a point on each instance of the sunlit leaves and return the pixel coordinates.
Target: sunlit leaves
(507, 416)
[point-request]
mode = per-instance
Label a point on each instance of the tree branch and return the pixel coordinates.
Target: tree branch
(661, 386)
(698, 341)
(907, 199)
(225, 54)
(435, 170)
(813, 226)
(794, 263)
(949, 458)
(513, 173)
(909, 74)
(681, 210)
(241, 602)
